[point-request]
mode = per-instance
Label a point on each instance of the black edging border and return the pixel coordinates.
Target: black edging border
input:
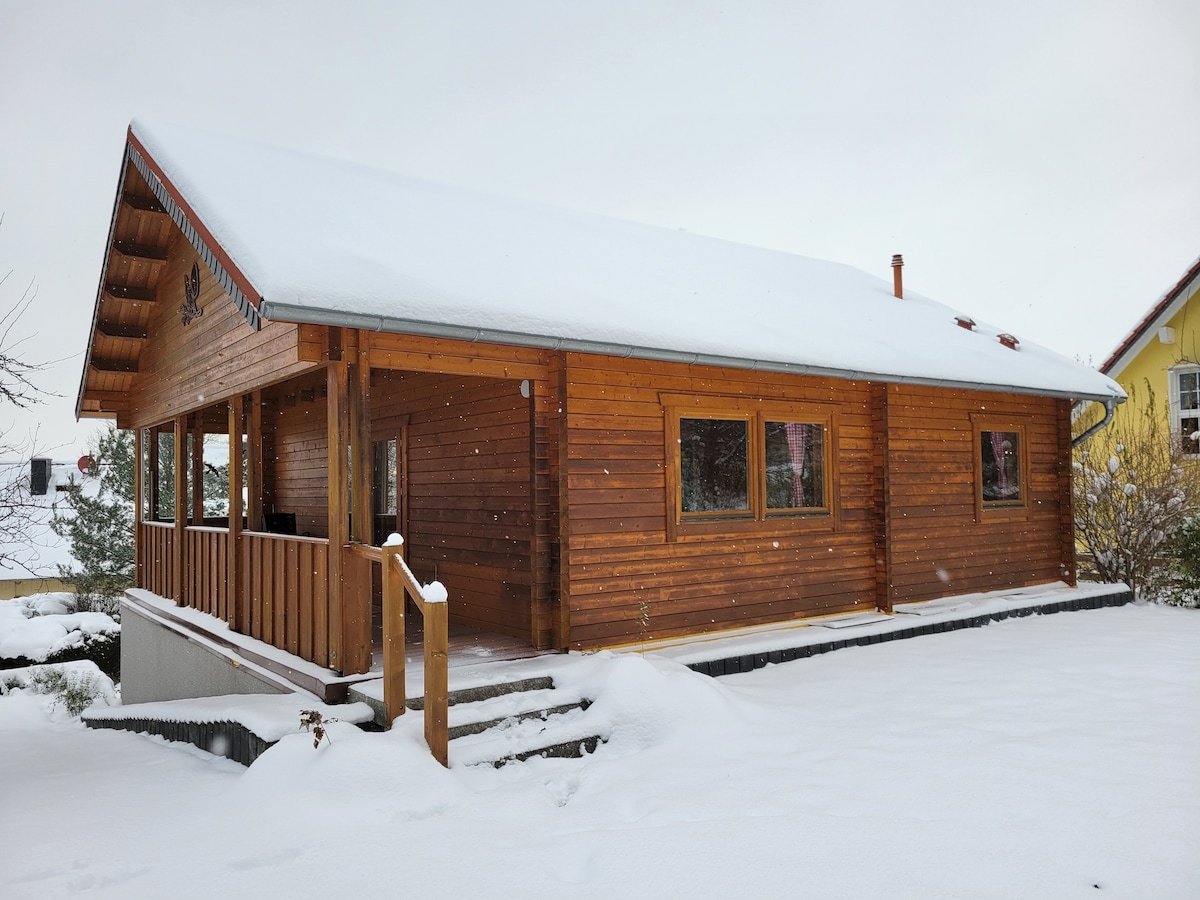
(233, 740)
(732, 665)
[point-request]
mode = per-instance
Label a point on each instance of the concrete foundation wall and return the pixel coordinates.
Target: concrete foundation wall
(159, 662)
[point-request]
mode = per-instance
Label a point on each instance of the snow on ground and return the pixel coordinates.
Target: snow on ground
(1041, 757)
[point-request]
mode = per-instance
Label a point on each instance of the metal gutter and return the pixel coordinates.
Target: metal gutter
(303, 315)
(1110, 408)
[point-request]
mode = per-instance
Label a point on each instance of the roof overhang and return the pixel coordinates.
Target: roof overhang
(1163, 310)
(312, 316)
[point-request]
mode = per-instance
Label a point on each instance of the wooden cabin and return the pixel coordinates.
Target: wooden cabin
(591, 432)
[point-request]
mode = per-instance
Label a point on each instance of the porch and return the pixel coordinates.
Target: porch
(267, 510)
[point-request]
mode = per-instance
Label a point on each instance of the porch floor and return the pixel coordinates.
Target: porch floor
(467, 647)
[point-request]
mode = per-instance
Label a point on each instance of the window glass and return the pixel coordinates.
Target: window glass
(714, 465)
(795, 465)
(1189, 390)
(1001, 456)
(1188, 428)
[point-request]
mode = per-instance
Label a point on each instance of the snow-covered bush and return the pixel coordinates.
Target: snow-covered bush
(1182, 588)
(74, 686)
(50, 628)
(1132, 493)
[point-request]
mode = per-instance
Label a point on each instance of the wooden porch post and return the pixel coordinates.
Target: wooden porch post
(234, 575)
(254, 465)
(357, 590)
(139, 475)
(180, 508)
(337, 430)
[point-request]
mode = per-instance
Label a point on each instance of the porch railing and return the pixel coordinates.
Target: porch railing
(286, 590)
(206, 564)
(158, 573)
(399, 580)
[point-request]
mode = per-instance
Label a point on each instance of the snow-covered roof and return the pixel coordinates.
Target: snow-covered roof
(312, 239)
(1160, 313)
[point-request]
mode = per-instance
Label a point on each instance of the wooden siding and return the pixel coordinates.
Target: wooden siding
(628, 582)
(297, 468)
(468, 490)
(181, 367)
(939, 544)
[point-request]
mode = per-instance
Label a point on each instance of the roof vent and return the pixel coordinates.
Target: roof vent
(897, 278)
(965, 322)
(1008, 341)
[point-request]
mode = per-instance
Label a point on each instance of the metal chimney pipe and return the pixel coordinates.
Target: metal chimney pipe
(897, 277)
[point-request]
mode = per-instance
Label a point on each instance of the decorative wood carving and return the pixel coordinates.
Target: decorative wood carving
(191, 310)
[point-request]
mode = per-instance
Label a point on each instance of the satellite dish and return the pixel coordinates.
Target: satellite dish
(85, 464)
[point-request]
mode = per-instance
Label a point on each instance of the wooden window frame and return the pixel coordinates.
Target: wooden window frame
(986, 510)
(757, 520)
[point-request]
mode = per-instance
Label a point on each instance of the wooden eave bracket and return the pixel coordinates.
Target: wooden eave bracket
(122, 332)
(143, 204)
(140, 251)
(114, 366)
(130, 294)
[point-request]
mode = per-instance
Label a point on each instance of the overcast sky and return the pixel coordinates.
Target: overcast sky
(1037, 162)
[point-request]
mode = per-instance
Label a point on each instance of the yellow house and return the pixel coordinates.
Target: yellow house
(1163, 352)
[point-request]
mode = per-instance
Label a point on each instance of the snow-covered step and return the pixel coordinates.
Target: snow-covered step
(482, 715)
(560, 734)
(371, 693)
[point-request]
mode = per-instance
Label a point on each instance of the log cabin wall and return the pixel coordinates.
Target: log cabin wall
(627, 581)
(941, 542)
(297, 467)
(468, 490)
(185, 367)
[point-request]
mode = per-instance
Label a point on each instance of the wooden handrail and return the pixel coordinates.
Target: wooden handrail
(398, 580)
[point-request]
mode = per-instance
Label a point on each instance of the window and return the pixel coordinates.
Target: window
(385, 500)
(1185, 407)
(729, 465)
(1001, 467)
(1000, 458)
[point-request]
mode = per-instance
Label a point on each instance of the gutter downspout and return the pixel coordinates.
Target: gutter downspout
(1110, 408)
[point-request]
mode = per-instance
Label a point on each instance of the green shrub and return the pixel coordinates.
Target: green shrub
(76, 692)
(1181, 585)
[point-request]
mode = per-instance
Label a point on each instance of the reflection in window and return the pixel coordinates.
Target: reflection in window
(1001, 456)
(714, 465)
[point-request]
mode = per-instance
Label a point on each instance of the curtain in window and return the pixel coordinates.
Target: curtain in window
(797, 438)
(998, 454)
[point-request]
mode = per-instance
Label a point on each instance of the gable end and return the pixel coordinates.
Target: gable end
(216, 264)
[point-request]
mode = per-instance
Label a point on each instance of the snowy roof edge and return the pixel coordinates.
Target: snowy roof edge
(199, 201)
(367, 322)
